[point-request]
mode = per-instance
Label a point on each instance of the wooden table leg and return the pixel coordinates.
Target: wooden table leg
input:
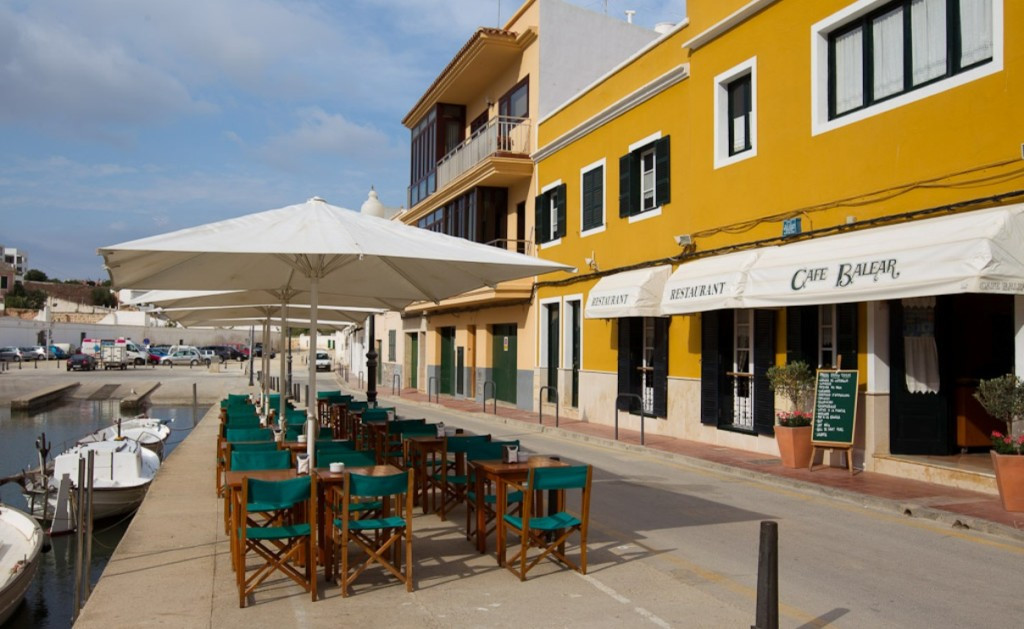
(499, 518)
(481, 518)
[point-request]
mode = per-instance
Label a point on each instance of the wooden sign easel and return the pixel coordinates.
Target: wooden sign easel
(835, 414)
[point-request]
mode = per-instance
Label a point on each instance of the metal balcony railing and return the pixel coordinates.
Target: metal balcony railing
(504, 134)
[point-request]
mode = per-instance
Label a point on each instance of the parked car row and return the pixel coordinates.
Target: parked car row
(15, 354)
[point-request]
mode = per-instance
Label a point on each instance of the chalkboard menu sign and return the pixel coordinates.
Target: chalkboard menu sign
(835, 408)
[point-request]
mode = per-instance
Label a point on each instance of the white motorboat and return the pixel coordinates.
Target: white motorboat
(21, 540)
(122, 473)
(151, 433)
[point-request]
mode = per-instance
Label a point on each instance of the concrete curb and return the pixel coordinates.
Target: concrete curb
(877, 503)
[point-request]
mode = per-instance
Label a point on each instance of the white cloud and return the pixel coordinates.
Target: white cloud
(319, 133)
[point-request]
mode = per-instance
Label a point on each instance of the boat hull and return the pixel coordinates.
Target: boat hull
(21, 541)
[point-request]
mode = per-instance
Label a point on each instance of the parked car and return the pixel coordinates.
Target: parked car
(155, 354)
(57, 353)
(184, 356)
(224, 352)
(41, 351)
(10, 354)
(209, 356)
(81, 362)
(323, 361)
(258, 348)
(30, 353)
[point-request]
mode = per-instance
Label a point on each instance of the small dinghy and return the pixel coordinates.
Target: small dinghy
(122, 473)
(151, 433)
(21, 540)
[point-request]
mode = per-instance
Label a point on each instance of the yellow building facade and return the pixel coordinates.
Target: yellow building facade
(835, 182)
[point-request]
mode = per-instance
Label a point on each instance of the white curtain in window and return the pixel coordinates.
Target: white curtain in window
(921, 355)
(928, 37)
(739, 133)
(887, 37)
(849, 70)
(975, 31)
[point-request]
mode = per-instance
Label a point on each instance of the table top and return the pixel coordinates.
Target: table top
(233, 478)
(499, 467)
(325, 474)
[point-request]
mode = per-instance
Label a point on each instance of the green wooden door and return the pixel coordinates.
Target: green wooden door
(447, 380)
(414, 360)
(504, 367)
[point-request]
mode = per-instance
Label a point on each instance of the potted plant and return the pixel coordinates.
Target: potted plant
(794, 382)
(1003, 398)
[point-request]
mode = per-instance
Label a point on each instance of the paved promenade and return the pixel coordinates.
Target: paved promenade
(172, 567)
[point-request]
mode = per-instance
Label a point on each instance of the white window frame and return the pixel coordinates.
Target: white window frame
(820, 31)
(656, 211)
(722, 122)
(601, 163)
(542, 324)
(558, 241)
(567, 328)
(831, 331)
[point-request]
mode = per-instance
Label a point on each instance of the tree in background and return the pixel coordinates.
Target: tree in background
(18, 297)
(35, 275)
(103, 297)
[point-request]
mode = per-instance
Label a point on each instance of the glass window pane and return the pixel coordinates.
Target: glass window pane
(887, 37)
(975, 31)
(849, 70)
(928, 39)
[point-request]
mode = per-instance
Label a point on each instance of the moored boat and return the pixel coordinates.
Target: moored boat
(151, 433)
(21, 540)
(122, 473)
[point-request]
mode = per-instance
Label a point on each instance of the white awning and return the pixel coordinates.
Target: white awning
(708, 284)
(634, 293)
(980, 251)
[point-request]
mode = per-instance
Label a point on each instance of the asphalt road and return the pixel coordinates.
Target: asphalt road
(663, 533)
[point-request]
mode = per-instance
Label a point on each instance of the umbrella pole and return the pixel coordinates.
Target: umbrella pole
(265, 367)
(312, 425)
(283, 388)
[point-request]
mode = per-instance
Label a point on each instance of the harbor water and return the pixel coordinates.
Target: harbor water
(49, 601)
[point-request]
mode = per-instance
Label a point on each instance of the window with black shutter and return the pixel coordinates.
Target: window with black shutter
(764, 357)
(846, 335)
(802, 335)
(643, 364)
(549, 217)
(644, 178)
(592, 205)
(716, 359)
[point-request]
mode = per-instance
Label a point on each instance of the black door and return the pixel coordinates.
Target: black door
(552, 352)
(919, 423)
(447, 380)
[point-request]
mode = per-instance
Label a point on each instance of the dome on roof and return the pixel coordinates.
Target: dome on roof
(372, 205)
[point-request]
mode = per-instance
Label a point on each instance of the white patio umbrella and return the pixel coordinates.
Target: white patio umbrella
(316, 245)
(251, 303)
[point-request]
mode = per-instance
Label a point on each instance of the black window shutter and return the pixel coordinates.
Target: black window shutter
(661, 170)
(661, 366)
(711, 367)
(592, 194)
(846, 334)
(802, 335)
(764, 357)
(560, 204)
(625, 189)
(541, 220)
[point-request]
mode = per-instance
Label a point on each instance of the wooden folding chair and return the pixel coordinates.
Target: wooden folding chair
(288, 539)
(376, 537)
(549, 532)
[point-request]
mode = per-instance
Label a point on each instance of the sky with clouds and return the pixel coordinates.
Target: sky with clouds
(121, 119)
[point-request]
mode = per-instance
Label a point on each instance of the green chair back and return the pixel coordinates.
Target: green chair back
(490, 451)
(460, 444)
(356, 405)
(572, 477)
(269, 460)
(399, 426)
(320, 395)
(424, 430)
(375, 414)
(292, 432)
(281, 492)
(350, 458)
(249, 434)
(372, 486)
(335, 444)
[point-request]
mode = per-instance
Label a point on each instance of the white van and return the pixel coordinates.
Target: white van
(134, 355)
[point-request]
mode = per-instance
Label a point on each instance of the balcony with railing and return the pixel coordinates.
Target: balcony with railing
(503, 135)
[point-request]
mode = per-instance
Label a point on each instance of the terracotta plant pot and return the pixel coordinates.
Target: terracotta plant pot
(1010, 479)
(794, 445)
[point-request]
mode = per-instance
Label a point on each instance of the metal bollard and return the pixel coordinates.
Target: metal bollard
(768, 578)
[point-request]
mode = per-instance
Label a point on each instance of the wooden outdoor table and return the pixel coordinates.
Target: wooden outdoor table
(500, 474)
(326, 482)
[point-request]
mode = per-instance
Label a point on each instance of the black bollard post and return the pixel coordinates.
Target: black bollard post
(768, 578)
